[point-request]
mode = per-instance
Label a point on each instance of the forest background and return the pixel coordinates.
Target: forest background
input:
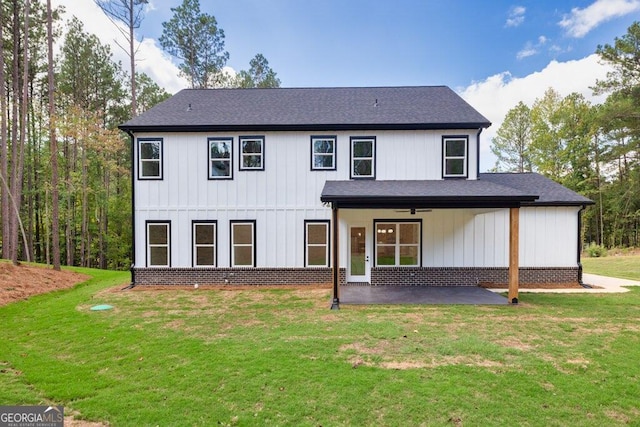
(65, 181)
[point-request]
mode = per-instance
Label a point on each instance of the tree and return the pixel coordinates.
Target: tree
(259, 75)
(623, 83)
(130, 13)
(53, 144)
(149, 91)
(195, 39)
(512, 142)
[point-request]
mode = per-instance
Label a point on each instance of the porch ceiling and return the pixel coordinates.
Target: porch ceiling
(451, 193)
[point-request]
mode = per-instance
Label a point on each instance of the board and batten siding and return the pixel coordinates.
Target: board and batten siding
(280, 198)
(480, 237)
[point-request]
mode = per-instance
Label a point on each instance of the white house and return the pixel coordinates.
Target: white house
(279, 186)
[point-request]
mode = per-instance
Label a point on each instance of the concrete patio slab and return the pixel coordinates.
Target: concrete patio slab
(419, 295)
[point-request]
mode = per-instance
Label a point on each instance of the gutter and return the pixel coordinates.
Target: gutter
(133, 210)
(579, 248)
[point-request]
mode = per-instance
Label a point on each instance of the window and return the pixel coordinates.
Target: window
(363, 156)
(220, 155)
(251, 153)
(204, 243)
(398, 244)
(454, 158)
(149, 158)
(323, 153)
(243, 244)
(158, 244)
(316, 234)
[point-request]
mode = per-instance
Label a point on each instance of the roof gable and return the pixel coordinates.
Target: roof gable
(424, 107)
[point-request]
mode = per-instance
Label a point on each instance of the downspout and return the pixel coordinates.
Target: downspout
(133, 215)
(335, 304)
(579, 248)
(478, 153)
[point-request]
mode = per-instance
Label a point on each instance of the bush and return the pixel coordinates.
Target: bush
(596, 251)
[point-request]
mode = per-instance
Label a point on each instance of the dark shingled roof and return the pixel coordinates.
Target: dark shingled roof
(355, 108)
(489, 191)
(550, 192)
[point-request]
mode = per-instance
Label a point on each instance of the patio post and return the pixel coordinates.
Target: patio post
(514, 263)
(335, 305)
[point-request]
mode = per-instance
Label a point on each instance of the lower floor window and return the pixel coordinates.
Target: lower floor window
(243, 239)
(398, 243)
(204, 243)
(158, 244)
(316, 243)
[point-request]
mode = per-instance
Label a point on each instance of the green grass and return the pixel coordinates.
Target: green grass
(281, 357)
(627, 267)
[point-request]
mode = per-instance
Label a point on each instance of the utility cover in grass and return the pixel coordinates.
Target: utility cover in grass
(101, 307)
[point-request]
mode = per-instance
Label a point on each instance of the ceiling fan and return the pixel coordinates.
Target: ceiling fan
(413, 210)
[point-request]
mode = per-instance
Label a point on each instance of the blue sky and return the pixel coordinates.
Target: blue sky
(404, 42)
(494, 53)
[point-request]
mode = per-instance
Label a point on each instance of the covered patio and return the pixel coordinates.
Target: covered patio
(421, 195)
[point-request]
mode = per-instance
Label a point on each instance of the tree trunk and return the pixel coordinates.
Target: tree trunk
(4, 164)
(53, 145)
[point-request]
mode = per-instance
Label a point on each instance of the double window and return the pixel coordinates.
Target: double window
(251, 153)
(397, 243)
(243, 243)
(316, 235)
(363, 157)
(149, 158)
(158, 243)
(220, 155)
(454, 156)
(323, 153)
(204, 243)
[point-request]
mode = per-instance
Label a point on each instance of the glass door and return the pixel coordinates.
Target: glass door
(359, 266)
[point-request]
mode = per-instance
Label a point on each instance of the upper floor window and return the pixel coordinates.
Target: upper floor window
(220, 155)
(251, 153)
(398, 244)
(363, 157)
(323, 153)
(149, 158)
(158, 243)
(455, 156)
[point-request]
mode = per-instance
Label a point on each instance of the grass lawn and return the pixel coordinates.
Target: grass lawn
(627, 267)
(281, 357)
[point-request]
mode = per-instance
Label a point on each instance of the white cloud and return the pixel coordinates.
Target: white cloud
(580, 21)
(496, 95)
(516, 16)
(528, 50)
(151, 59)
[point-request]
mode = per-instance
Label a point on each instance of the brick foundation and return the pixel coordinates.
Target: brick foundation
(404, 276)
(232, 276)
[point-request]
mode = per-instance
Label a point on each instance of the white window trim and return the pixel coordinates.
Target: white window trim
(167, 225)
(316, 245)
(252, 245)
(204, 245)
(333, 139)
(465, 162)
(229, 159)
(397, 245)
(243, 154)
(372, 158)
(141, 161)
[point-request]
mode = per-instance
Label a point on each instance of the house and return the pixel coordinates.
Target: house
(278, 186)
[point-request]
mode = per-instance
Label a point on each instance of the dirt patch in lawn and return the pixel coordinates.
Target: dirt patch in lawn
(19, 282)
